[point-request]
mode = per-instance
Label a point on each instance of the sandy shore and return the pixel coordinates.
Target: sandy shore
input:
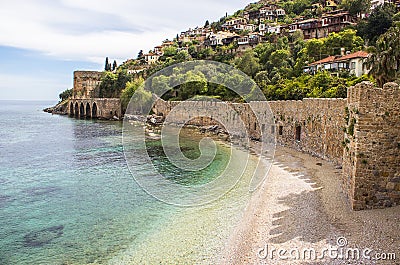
(301, 206)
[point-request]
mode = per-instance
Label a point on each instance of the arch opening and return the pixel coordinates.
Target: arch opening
(88, 112)
(71, 109)
(76, 112)
(82, 111)
(94, 110)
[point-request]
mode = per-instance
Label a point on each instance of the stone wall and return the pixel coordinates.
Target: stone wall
(371, 166)
(314, 126)
(361, 134)
(204, 113)
(86, 84)
(320, 122)
(102, 108)
(85, 102)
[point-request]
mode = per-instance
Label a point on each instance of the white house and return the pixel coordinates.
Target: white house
(274, 29)
(151, 58)
(352, 62)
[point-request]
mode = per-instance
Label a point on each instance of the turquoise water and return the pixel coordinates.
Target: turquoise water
(67, 196)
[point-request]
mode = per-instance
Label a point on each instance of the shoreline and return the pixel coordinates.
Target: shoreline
(300, 206)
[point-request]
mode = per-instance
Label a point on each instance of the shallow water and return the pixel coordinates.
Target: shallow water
(67, 196)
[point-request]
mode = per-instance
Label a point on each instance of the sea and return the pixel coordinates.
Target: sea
(67, 196)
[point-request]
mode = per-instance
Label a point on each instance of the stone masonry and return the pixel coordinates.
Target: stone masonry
(85, 101)
(371, 161)
(361, 133)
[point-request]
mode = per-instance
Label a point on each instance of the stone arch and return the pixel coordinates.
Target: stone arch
(82, 111)
(88, 111)
(71, 108)
(94, 110)
(76, 112)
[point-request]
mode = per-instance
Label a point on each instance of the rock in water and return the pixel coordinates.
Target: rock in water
(43, 237)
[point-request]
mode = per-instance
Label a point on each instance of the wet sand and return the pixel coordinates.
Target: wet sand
(301, 205)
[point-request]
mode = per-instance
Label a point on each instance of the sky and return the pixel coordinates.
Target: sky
(43, 41)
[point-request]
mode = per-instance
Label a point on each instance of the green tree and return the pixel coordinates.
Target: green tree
(379, 21)
(356, 7)
(170, 51)
(65, 94)
(346, 39)
(205, 53)
(182, 56)
(107, 66)
(107, 84)
(115, 65)
(249, 63)
(130, 89)
(384, 62)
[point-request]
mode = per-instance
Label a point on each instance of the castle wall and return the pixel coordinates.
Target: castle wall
(371, 168)
(86, 84)
(86, 92)
(361, 133)
(314, 126)
(320, 121)
(103, 108)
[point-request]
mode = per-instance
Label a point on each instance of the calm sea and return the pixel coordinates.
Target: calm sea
(67, 197)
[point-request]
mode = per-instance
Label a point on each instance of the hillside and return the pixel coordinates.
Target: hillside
(292, 49)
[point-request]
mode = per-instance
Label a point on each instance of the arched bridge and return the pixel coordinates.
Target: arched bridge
(101, 108)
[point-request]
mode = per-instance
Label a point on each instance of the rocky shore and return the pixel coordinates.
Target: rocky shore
(59, 109)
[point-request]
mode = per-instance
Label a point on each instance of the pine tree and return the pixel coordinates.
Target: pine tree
(207, 24)
(107, 65)
(115, 65)
(140, 55)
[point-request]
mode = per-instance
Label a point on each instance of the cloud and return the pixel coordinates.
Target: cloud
(90, 30)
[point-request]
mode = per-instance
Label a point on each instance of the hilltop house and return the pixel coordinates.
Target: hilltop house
(376, 3)
(158, 50)
(320, 28)
(221, 38)
(352, 63)
(151, 58)
(268, 12)
(236, 24)
(248, 41)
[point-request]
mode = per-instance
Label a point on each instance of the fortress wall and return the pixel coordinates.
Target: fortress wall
(371, 168)
(320, 121)
(314, 126)
(103, 108)
(86, 84)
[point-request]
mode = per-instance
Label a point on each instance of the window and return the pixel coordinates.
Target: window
(280, 130)
(298, 133)
(353, 65)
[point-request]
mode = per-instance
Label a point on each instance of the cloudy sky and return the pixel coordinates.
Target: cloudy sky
(43, 41)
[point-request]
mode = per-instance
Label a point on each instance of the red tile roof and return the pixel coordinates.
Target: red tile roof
(326, 60)
(360, 54)
(331, 59)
